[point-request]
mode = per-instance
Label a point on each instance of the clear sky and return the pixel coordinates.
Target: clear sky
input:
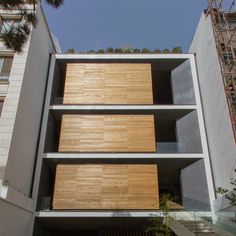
(96, 24)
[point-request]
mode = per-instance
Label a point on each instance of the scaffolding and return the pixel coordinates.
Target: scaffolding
(223, 17)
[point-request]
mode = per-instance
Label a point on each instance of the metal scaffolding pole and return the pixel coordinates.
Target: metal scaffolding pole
(223, 17)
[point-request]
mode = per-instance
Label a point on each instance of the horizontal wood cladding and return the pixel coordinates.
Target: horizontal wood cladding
(108, 84)
(106, 186)
(107, 133)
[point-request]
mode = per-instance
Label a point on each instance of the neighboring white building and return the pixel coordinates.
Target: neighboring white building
(23, 80)
(219, 128)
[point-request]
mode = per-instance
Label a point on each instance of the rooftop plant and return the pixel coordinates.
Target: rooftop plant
(128, 50)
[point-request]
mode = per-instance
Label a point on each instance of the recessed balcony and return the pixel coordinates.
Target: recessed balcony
(140, 82)
(156, 132)
(118, 185)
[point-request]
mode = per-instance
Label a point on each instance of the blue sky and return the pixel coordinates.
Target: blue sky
(96, 24)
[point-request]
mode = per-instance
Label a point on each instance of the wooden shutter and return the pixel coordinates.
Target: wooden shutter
(108, 84)
(6, 68)
(107, 133)
(106, 186)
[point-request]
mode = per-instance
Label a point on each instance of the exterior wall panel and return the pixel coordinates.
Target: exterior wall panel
(219, 130)
(30, 69)
(107, 133)
(108, 84)
(15, 220)
(106, 187)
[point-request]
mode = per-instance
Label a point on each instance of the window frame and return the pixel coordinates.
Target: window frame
(2, 58)
(1, 101)
(9, 18)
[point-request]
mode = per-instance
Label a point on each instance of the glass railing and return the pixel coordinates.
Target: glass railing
(199, 221)
(176, 147)
(167, 147)
(226, 220)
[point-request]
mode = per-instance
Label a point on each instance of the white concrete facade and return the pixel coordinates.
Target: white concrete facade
(194, 108)
(20, 120)
(11, 94)
(220, 136)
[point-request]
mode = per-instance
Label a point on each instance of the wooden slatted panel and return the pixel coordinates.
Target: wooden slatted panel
(108, 84)
(106, 186)
(107, 133)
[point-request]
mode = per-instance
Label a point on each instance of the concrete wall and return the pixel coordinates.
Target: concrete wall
(19, 129)
(182, 84)
(221, 142)
(188, 134)
(8, 116)
(20, 166)
(11, 91)
(14, 221)
(194, 187)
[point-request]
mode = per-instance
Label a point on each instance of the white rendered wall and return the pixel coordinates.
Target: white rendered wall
(9, 110)
(182, 84)
(14, 221)
(221, 142)
(20, 165)
(188, 134)
(11, 91)
(19, 129)
(195, 195)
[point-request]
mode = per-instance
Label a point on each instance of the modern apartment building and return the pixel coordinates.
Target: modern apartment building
(23, 79)
(89, 142)
(118, 131)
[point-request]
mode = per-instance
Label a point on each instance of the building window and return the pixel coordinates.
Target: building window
(7, 23)
(5, 67)
(1, 105)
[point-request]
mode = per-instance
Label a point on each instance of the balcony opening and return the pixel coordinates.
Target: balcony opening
(53, 133)
(173, 132)
(46, 186)
(178, 134)
(127, 82)
(175, 177)
(161, 83)
(58, 85)
(165, 132)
